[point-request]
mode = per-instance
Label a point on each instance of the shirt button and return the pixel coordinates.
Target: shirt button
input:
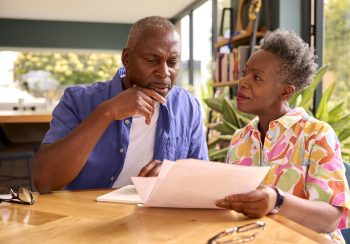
(112, 178)
(121, 150)
(126, 121)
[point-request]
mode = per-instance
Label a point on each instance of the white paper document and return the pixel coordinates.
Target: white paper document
(192, 183)
(126, 194)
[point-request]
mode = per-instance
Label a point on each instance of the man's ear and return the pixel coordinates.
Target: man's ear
(288, 91)
(125, 57)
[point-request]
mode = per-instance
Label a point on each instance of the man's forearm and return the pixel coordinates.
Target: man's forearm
(57, 164)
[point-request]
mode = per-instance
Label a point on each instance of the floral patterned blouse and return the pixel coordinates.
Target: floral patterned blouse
(304, 155)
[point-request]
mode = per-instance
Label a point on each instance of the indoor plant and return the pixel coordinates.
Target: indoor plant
(227, 119)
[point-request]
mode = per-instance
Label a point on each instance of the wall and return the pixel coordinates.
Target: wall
(290, 15)
(60, 34)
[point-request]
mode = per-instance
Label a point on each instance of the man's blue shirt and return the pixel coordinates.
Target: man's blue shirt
(179, 132)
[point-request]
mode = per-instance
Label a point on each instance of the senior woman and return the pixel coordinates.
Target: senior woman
(306, 182)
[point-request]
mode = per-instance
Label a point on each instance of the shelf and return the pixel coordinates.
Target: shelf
(239, 39)
(225, 83)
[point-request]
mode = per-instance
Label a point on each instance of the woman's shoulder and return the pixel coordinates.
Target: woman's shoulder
(313, 124)
(308, 122)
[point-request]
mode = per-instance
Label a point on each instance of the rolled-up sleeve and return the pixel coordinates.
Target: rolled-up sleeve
(326, 179)
(64, 117)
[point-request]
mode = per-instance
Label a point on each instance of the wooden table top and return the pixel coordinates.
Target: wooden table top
(76, 217)
(15, 116)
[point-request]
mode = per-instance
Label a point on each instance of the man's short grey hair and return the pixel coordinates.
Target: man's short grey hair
(137, 28)
(298, 65)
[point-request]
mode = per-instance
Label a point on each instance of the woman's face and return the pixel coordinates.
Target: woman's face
(260, 92)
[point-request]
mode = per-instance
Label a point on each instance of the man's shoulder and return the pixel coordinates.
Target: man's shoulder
(85, 98)
(98, 88)
(182, 96)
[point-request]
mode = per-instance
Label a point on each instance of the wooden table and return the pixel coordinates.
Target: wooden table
(25, 126)
(9, 116)
(75, 217)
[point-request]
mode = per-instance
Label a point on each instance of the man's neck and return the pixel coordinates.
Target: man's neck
(126, 83)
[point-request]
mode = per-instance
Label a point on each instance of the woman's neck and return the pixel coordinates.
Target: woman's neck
(264, 120)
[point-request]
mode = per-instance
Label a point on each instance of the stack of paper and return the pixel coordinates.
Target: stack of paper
(126, 194)
(194, 183)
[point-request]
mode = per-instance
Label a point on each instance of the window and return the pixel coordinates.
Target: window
(337, 48)
(202, 53)
(196, 68)
(35, 80)
(184, 77)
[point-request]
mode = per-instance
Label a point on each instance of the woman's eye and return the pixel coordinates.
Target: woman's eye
(243, 73)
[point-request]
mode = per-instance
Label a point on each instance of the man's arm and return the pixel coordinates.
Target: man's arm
(57, 164)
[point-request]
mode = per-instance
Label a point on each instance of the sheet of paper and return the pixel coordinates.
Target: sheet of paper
(126, 194)
(192, 183)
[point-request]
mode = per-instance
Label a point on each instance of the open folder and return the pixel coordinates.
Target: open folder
(192, 183)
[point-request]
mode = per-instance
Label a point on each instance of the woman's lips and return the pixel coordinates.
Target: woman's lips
(242, 98)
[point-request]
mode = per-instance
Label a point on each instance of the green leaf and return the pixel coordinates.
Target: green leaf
(345, 151)
(308, 93)
(224, 129)
(318, 77)
(336, 112)
(344, 134)
(294, 101)
(215, 104)
(228, 124)
(219, 154)
(229, 113)
(212, 144)
(244, 119)
(220, 138)
(225, 137)
(322, 111)
(343, 122)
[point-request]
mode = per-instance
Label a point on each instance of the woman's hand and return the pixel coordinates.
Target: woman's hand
(254, 204)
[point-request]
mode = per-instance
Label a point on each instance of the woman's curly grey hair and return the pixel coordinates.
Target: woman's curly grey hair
(148, 22)
(298, 65)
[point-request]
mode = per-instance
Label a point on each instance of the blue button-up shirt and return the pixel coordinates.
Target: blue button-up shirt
(179, 132)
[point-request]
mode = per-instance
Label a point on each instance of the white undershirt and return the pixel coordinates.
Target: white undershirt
(140, 149)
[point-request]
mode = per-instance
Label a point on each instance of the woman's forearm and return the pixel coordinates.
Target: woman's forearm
(316, 215)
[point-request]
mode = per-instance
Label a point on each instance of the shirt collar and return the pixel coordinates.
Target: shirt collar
(288, 120)
(293, 117)
(117, 86)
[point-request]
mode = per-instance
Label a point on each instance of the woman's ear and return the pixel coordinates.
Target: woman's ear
(125, 57)
(288, 91)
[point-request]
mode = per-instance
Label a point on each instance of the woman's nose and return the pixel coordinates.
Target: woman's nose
(242, 82)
